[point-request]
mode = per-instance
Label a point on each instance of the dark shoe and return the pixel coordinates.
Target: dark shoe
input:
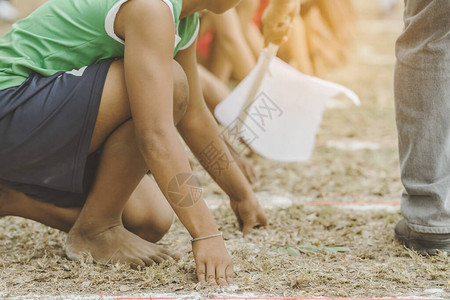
(423, 243)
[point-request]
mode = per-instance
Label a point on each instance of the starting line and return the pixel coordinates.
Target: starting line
(275, 298)
(198, 296)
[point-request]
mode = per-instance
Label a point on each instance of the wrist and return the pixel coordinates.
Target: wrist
(199, 232)
(206, 237)
(204, 230)
(197, 219)
(240, 190)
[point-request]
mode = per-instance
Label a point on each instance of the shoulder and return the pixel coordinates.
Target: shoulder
(147, 13)
(142, 9)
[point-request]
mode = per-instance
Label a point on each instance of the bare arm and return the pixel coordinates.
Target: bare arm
(201, 133)
(214, 91)
(148, 30)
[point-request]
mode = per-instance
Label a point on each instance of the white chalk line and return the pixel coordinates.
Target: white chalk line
(197, 295)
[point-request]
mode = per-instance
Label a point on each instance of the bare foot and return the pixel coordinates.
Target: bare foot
(113, 245)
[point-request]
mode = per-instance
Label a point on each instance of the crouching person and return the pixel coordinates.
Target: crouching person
(92, 93)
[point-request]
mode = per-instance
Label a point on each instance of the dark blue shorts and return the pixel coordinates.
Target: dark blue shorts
(46, 125)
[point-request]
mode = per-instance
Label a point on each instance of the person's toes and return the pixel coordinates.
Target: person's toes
(176, 255)
(165, 256)
(157, 259)
(148, 261)
(125, 258)
(134, 262)
(167, 253)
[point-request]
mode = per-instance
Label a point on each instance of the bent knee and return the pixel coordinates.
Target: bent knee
(151, 231)
(180, 92)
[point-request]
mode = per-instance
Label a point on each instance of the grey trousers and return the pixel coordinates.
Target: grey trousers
(422, 101)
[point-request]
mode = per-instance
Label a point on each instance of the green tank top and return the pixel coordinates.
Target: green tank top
(63, 35)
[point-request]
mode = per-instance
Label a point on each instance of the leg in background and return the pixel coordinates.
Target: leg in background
(214, 90)
(296, 50)
(340, 17)
(231, 46)
(246, 11)
(325, 50)
(422, 95)
(422, 98)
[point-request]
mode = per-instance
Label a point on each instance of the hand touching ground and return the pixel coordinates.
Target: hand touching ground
(214, 265)
(249, 213)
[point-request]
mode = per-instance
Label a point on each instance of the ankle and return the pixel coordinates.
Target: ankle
(89, 226)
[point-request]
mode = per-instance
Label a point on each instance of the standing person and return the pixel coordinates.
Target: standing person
(422, 99)
(92, 93)
(7, 11)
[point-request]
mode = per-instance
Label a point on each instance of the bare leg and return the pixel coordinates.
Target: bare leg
(14, 203)
(230, 45)
(98, 230)
(325, 50)
(340, 17)
(218, 62)
(146, 213)
(296, 48)
(214, 90)
(246, 10)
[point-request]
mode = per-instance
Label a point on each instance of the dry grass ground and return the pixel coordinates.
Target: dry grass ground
(369, 263)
